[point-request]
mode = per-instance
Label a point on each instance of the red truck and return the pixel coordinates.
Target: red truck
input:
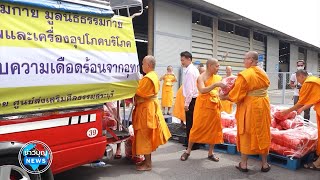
(68, 115)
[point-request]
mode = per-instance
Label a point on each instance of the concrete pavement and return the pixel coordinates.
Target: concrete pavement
(167, 165)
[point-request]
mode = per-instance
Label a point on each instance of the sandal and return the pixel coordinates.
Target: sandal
(311, 166)
(184, 156)
(214, 158)
(140, 163)
(117, 156)
(242, 169)
(266, 169)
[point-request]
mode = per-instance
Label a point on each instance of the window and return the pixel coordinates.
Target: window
(259, 37)
(201, 19)
(284, 53)
(196, 18)
(302, 53)
(240, 31)
(226, 27)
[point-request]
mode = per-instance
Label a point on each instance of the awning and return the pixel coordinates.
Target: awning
(120, 4)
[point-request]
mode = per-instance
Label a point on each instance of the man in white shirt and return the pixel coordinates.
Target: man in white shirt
(296, 86)
(190, 90)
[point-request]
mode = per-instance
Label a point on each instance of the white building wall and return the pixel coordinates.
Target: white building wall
(273, 61)
(172, 35)
(173, 32)
(312, 61)
(294, 56)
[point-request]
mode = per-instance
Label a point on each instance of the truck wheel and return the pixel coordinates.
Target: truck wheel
(47, 175)
(10, 169)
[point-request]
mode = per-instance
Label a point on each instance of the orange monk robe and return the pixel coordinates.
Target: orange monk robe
(253, 111)
(167, 91)
(178, 108)
(310, 94)
(207, 126)
(150, 128)
(226, 106)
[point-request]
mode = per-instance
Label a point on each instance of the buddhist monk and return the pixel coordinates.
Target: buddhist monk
(309, 96)
(206, 126)
(227, 106)
(178, 108)
(150, 128)
(167, 89)
(253, 112)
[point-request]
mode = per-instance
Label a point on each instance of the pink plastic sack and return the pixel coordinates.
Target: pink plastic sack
(230, 135)
(227, 120)
(229, 81)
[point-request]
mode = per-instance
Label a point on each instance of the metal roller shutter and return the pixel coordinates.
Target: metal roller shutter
(202, 43)
(236, 46)
(261, 49)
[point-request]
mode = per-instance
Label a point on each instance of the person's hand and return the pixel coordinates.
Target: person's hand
(220, 84)
(186, 108)
(222, 97)
(299, 111)
(284, 112)
(131, 131)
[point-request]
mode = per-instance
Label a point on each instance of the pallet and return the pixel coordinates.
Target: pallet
(226, 148)
(287, 162)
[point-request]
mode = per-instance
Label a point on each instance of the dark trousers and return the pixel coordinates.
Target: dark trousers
(306, 114)
(189, 119)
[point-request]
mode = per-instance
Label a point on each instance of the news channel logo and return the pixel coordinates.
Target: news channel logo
(35, 157)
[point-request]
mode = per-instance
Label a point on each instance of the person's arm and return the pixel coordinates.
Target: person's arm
(174, 78)
(306, 98)
(162, 77)
(304, 108)
(188, 88)
(293, 81)
(202, 89)
(293, 108)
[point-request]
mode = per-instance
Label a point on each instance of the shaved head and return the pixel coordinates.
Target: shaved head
(228, 71)
(212, 61)
(250, 59)
(212, 66)
(301, 75)
(302, 72)
(253, 54)
(148, 64)
(151, 61)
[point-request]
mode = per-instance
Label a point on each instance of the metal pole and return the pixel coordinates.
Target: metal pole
(284, 78)
(124, 113)
(118, 113)
(128, 11)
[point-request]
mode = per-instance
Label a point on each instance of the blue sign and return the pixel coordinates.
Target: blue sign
(196, 62)
(260, 57)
